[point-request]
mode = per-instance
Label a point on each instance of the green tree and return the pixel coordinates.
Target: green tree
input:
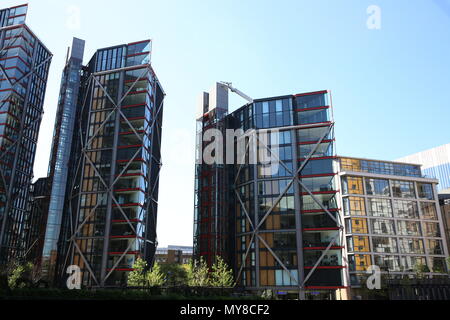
(175, 274)
(221, 275)
(20, 275)
(155, 277)
(138, 277)
(198, 274)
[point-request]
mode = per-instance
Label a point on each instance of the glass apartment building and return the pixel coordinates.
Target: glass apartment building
(24, 65)
(392, 219)
(279, 229)
(117, 177)
(104, 167)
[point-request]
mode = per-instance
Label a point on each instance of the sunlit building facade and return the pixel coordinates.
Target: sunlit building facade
(24, 66)
(279, 229)
(117, 175)
(392, 219)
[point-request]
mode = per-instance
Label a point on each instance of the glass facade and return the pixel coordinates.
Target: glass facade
(105, 166)
(297, 221)
(393, 220)
(24, 64)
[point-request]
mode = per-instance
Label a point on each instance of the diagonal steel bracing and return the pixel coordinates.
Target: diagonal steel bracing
(255, 230)
(109, 188)
(24, 127)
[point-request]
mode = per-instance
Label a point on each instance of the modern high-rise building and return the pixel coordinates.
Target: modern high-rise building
(24, 65)
(104, 166)
(435, 164)
(114, 217)
(392, 219)
(276, 224)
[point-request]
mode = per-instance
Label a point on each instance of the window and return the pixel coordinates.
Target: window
(359, 262)
(434, 246)
(403, 189)
(409, 263)
(410, 246)
(377, 187)
(428, 210)
(388, 263)
(380, 208)
(431, 229)
(408, 228)
(353, 185)
(438, 265)
(425, 191)
(358, 244)
(311, 101)
(354, 206)
(357, 225)
(406, 209)
(382, 226)
(384, 245)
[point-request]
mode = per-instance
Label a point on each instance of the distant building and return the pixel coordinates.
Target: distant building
(435, 164)
(174, 254)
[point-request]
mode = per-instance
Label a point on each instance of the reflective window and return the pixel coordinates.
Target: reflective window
(410, 263)
(391, 263)
(357, 225)
(311, 101)
(358, 244)
(406, 209)
(403, 189)
(353, 185)
(408, 228)
(384, 245)
(431, 229)
(380, 207)
(354, 206)
(359, 262)
(379, 187)
(434, 246)
(438, 265)
(428, 210)
(425, 191)
(408, 245)
(381, 226)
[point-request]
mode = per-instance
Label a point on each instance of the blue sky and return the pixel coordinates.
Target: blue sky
(389, 86)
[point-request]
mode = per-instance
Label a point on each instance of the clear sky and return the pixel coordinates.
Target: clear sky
(390, 86)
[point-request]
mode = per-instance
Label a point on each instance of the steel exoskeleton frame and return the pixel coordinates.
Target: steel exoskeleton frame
(255, 236)
(153, 132)
(20, 178)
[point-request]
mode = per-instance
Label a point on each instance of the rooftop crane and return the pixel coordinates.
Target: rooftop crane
(229, 85)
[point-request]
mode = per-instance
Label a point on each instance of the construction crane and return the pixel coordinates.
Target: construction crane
(229, 85)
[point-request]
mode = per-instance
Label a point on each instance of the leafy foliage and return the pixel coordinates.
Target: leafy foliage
(20, 275)
(155, 277)
(142, 277)
(175, 274)
(198, 274)
(221, 275)
(138, 277)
